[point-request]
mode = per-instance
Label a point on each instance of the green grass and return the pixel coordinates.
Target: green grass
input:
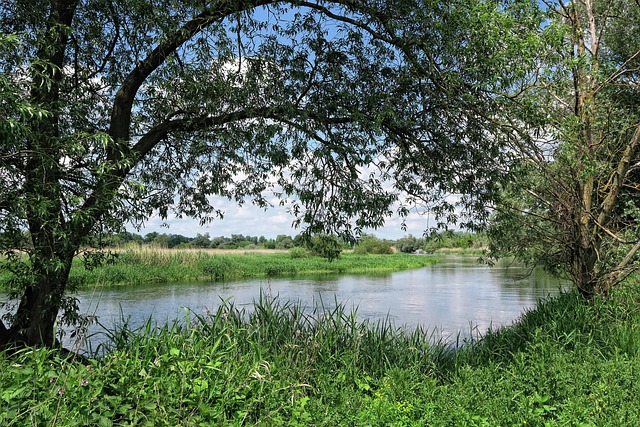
(159, 266)
(565, 363)
(461, 251)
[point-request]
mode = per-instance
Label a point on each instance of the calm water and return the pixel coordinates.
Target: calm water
(453, 297)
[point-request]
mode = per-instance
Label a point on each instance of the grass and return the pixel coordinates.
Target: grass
(169, 265)
(565, 363)
(461, 251)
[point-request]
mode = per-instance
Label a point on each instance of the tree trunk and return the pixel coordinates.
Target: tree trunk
(584, 266)
(5, 337)
(34, 321)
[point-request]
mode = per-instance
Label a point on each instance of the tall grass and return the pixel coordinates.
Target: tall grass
(565, 363)
(148, 265)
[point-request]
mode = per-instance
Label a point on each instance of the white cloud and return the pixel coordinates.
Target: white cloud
(254, 221)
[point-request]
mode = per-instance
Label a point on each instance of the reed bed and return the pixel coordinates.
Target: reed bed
(152, 265)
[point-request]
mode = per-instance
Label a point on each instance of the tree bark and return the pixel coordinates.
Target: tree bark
(5, 337)
(38, 309)
(34, 320)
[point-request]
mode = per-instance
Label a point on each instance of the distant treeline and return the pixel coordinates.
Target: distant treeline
(368, 243)
(201, 241)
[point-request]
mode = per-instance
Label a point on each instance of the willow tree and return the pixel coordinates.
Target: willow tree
(574, 202)
(345, 110)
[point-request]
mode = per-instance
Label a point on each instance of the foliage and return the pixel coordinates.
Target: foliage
(298, 252)
(138, 266)
(563, 363)
(369, 244)
(325, 245)
(333, 108)
(572, 205)
(456, 241)
(409, 244)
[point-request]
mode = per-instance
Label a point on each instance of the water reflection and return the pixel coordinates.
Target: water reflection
(453, 296)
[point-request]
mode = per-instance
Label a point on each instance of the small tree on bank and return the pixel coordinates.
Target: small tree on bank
(369, 244)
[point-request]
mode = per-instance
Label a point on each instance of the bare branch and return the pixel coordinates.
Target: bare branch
(619, 72)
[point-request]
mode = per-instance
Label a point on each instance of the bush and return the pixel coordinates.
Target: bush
(409, 244)
(373, 245)
(298, 253)
(455, 240)
(325, 245)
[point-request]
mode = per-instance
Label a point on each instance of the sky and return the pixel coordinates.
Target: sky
(250, 220)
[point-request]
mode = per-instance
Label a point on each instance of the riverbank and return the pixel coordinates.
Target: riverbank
(565, 363)
(473, 251)
(174, 265)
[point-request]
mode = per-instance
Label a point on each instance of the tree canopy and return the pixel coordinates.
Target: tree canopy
(345, 111)
(116, 110)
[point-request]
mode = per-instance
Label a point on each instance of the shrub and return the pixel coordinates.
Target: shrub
(325, 245)
(373, 245)
(297, 253)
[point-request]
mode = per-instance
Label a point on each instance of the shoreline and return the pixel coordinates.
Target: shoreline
(133, 267)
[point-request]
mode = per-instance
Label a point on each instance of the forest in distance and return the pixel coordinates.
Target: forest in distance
(460, 241)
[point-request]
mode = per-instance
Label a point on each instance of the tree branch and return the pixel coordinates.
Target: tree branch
(121, 111)
(608, 204)
(611, 277)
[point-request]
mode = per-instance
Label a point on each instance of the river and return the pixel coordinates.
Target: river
(455, 296)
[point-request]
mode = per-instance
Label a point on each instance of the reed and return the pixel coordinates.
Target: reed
(154, 265)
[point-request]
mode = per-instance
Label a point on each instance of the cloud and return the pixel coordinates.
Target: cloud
(251, 220)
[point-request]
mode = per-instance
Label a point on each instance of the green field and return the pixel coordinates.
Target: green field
(566, 363)
(172, 265)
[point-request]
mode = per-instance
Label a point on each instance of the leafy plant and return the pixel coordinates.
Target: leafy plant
(372, 245)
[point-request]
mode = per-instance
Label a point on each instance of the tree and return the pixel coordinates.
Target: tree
(573, 205)
(324, 245)
(409, 244)
(284, 242)
(338, 107)
(201, 241)
(150, 237)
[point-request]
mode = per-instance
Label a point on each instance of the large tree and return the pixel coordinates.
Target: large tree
(574, 202)
(117, 110)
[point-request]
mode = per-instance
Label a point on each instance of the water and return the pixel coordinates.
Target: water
(455, 296)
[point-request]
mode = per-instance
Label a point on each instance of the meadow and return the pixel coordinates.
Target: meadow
(153, 265)
(566, 363)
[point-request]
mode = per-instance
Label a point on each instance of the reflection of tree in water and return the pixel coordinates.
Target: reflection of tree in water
(523, 279)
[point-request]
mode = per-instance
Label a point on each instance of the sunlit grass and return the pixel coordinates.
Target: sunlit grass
(147, 265)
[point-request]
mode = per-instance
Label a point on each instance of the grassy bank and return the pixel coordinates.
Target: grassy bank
(158, 266)
(477, 252)
(565, 363)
